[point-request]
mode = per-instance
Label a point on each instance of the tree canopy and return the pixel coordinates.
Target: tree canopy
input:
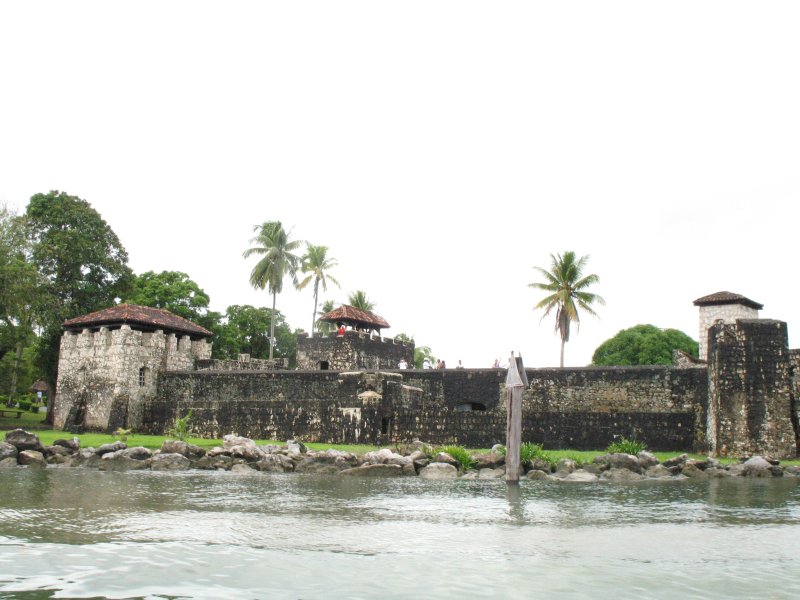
(82, 266)
(567, 287)
(359, 300)
(171, 290)
(245, 332)
(317, 264)
(643, 345)
(278, 259)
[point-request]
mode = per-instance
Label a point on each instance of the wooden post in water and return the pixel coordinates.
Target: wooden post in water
(516, 381)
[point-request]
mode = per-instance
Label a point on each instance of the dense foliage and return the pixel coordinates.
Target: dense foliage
(643, 345)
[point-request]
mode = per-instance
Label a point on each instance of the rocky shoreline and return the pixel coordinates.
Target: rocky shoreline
(243, 455)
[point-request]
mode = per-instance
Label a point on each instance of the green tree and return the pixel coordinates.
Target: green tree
(316, 263)
(567, 292)
(19, 282)
(420, 352)
(358, 299)
(245, 332)
(324, 326)
(82, 264)
(172, 291)
(643, 345)
(276, 248)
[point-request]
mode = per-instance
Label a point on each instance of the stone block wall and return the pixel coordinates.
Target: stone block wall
(750, 389)
(565, 408)
(353, 351)
(105, 375)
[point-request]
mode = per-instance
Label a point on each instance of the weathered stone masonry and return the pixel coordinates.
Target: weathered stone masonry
(743, 401)
(565, 408)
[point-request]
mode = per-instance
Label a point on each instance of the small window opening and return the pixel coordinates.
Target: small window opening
(323, 365)
(143, 377)
(386, 425)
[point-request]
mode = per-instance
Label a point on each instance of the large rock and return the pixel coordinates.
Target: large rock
(619, 475)
(8, 463)
(218, 462)
(491, 460)
(623, 461)
(136, 453)
(758, 466)
(691, 470)
(183, 448)
(311, 465)
(374, 470)
(56, 451)
(8, 451)
(169, 461)
(115, 461)
(23, 440)
(31, 458)
(539, 475)
(248, 453)
(487, 473)
(109, 448)
(565, 466)
(439, 470)
(274, 463)
(646, 459)
(658, 471)
(580, 476)
(675, 461)
(73, 445)
(331, 457)
(445, 458)
(230, 441)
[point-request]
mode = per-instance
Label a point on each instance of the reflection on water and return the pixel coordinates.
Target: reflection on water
(83, 533)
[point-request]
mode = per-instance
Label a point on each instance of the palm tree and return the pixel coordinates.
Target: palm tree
(324, 326)
(567, 286)
(316, 263)
(277, 248)
(358, 299)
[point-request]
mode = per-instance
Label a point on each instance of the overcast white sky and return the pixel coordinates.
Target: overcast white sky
(439, 149)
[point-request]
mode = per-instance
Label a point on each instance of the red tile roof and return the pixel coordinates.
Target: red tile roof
(141, 316)
(727, 298)
(354, 316)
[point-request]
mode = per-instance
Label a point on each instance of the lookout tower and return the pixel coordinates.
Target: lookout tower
(352, 347)
(110, 359)
(726, 307)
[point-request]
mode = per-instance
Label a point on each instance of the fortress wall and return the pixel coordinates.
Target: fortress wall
(565, 408)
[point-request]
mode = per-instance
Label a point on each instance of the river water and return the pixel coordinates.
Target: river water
(76, 533)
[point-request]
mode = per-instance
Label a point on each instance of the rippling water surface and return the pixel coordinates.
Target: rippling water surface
(86, 534)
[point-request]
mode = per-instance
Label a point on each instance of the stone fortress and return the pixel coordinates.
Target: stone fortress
(141, 368)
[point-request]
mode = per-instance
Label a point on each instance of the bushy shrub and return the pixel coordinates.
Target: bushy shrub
(24, 404)
(530, 452)
(626, 446)
(460, 454)
(181, 430)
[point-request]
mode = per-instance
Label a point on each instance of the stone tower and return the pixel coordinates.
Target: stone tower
(110, 360)
(726, 307)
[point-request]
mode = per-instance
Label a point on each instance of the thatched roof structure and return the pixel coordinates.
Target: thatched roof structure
(144, 318)
(355, 318)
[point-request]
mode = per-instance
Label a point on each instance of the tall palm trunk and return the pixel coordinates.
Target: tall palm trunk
(272, 325)
(563, 343)
(316, 298)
